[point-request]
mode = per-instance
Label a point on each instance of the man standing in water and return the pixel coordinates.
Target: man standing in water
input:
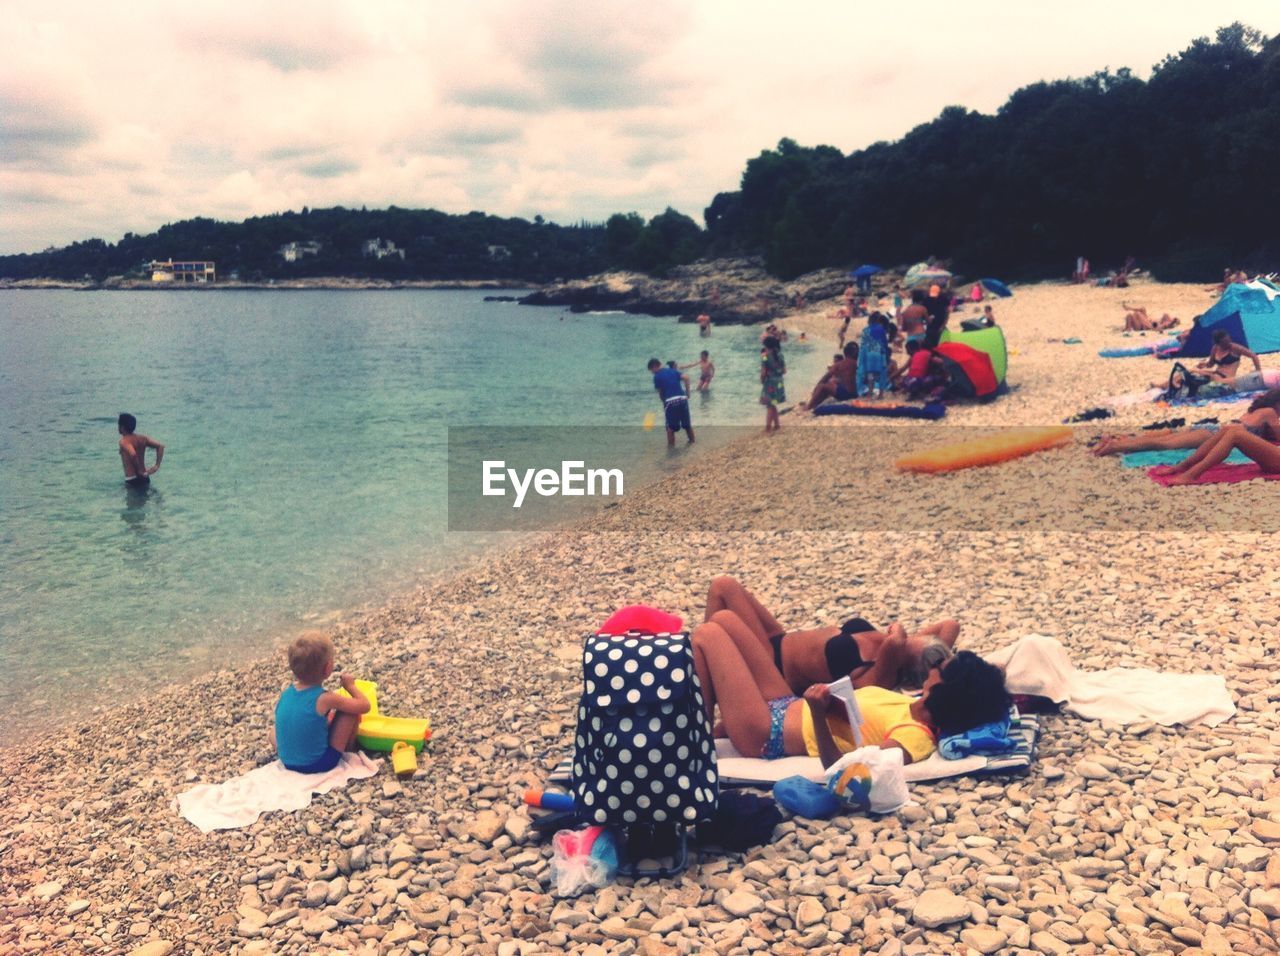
(673, 389)
(133, 453)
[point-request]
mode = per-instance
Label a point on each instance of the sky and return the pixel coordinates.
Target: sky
(120, 117)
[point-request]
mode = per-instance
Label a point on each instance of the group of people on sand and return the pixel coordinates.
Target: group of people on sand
(889, 355)
(769, 684)
(1255, 434)
(764, 687)
(874, 365)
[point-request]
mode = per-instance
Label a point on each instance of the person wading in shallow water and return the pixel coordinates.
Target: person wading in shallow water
(133, 453)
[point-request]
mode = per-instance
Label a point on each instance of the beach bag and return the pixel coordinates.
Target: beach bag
(1192, 383)
(643, 756)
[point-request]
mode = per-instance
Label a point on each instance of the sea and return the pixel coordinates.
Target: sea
(305, 464)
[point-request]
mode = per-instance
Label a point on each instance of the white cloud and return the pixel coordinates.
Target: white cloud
(118, 118)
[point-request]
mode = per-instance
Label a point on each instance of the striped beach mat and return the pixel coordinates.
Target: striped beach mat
(738, 771)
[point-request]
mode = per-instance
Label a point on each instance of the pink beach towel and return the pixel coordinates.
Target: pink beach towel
(1217, 475)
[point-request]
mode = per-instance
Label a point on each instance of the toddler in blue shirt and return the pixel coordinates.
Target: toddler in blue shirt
(314, 726)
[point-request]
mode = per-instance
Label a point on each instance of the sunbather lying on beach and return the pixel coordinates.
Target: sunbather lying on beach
(1262, 419)
(762, 717)
(1137, 320)
(857, 649)
(1258, 440)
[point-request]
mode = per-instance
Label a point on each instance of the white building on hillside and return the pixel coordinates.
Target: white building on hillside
(191, 271)
(381, 249)
(293, 251)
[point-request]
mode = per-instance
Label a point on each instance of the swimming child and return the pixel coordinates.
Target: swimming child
(706, 370)
(772, 391)
(315, 726)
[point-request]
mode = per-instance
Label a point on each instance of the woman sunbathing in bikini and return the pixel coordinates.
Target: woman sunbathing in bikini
(762, 717)
(1137, 320)
(1262, 419)
(1223, 362)
(1257, 441)
(857, 649)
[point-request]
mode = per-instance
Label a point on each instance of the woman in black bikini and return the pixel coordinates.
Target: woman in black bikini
(1223, 362)
(856, 649)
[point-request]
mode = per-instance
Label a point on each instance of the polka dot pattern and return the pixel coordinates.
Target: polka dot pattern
(643, 749)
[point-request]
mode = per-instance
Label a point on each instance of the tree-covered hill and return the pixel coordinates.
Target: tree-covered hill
(1177, 170)
(410, 244)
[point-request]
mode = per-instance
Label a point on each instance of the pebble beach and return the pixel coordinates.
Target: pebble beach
(1131, 839)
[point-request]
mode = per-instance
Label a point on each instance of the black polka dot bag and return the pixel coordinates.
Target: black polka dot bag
(644, 752)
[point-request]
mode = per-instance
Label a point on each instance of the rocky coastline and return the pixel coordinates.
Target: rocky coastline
(732, 291)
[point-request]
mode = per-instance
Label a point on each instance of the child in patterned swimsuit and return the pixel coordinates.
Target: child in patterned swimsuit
(772, 391)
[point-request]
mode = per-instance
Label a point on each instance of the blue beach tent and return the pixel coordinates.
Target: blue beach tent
(998, 287)
(1248, 312)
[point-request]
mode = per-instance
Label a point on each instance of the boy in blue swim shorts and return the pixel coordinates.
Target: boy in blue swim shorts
(673, 390)
(313, 725)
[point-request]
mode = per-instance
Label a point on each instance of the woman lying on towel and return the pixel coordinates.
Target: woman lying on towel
(1258, 443)
(856, 649)
(1262, 419)
(761, 716)
(1137, 320)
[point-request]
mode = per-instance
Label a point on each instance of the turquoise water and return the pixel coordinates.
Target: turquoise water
(305, 437)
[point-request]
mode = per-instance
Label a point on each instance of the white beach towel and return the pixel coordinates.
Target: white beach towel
(735, 768)
(1040, 665)
(241, 800)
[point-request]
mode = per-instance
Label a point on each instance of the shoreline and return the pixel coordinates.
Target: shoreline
(491, 653)
(327, 283)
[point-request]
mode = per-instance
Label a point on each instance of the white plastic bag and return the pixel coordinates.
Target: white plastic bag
(582, 860)
(870, 779)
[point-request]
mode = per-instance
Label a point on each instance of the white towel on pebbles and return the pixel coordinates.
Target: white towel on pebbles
(241, 800)
(1040, 665)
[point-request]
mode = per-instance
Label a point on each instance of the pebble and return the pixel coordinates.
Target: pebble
(317, 924)
(809, 912)
(47, 891)
(1268, 831)
(985, 939)
(486, 826)
(157, 947)
(741, 903)
(939, 907)
(1267, 901)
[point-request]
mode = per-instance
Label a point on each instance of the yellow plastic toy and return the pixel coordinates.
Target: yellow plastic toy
(381, 733)
(1012, 443)
(404, 759)
(648, 421)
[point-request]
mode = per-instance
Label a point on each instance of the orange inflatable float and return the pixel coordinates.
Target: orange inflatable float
(1008, 444)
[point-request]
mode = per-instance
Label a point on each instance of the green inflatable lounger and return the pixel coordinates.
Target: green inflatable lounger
(989, 340)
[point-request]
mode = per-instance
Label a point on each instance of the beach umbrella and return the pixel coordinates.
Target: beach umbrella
(922, 274)
(996, 286)
(865, 271)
